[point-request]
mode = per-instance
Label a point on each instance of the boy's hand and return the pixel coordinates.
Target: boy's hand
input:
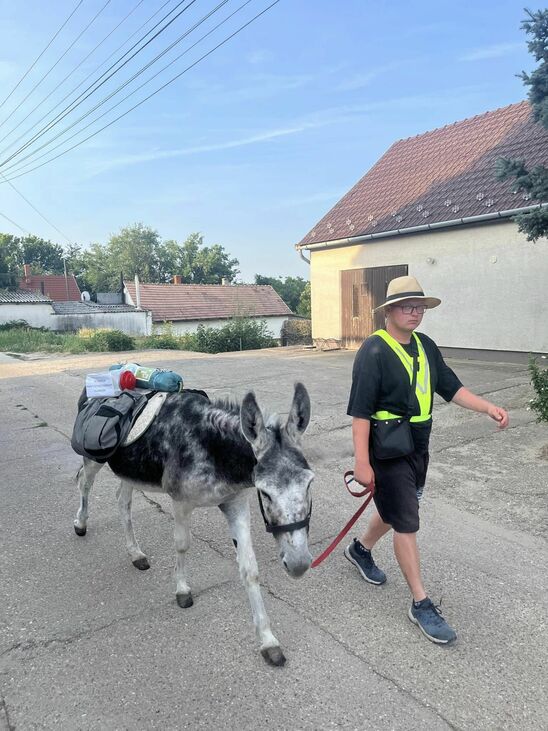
(499, 415)
(363, 473)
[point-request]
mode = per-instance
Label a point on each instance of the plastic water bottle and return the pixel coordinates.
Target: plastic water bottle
(157, 379)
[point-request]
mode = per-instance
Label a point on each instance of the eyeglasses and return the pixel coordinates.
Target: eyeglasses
(408, 309)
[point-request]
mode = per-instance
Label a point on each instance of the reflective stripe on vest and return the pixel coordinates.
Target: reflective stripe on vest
(423, 390)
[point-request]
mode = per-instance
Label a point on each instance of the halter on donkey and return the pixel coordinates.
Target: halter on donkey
(204, 454)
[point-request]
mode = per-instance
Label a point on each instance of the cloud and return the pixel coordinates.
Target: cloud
(359, 81)
(268, 135)
(259, 56)
(495, 51)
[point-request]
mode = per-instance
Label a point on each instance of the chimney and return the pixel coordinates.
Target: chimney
(224, 282)
(177, 279)
(137, 293)
(28, 274)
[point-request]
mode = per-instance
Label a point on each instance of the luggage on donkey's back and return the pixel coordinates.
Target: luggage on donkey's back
(102, 424)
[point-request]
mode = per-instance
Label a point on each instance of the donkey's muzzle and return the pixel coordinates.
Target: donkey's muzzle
(296, 563)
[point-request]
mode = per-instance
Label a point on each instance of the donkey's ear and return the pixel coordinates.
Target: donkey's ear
(299, 415)
(251, 419)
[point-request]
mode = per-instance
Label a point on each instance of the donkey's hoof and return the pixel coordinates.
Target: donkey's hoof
(184, 600)
(141, 563)
(80, 531)
(273, 656)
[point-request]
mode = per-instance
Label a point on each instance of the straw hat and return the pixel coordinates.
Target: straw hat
(404, 288)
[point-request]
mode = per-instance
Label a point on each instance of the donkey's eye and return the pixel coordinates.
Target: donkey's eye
(266, 496)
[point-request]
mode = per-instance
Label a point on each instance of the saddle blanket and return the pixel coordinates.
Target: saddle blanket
(146, 417)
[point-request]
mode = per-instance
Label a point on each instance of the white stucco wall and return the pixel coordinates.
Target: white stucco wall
(42, 315)
(274, 325)
(493, 284)
(37, 315)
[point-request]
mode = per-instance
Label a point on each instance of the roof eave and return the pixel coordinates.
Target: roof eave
(355, 240)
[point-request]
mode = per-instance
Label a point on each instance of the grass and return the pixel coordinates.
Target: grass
(239, 334)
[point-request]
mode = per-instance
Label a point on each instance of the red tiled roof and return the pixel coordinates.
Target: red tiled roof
(54, 286)
(208, 301)
(442, 175)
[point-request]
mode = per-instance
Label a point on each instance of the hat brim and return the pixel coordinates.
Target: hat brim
(430, 302)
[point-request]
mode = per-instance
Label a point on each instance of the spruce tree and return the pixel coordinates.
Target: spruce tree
(535, 181)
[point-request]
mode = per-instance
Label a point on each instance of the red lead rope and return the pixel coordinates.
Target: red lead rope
(348, 478)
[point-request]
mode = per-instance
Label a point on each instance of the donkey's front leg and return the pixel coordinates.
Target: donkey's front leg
(85, 478)
(236, 511)
(181, 514)
(124, 495)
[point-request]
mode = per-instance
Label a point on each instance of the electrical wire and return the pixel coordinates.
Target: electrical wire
(73, 104)
(36, 209)
(174, 78)
(35, 124)
(33, 64)
(24, 230)
(52, 91)
(55, 64)
(17, 162)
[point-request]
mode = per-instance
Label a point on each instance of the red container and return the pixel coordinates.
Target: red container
(127, 380)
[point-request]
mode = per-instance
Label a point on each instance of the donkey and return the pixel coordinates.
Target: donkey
(204, 453)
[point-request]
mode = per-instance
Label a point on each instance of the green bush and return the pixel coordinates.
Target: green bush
(297, 332)
(539, 379)
(109, 340)
(17, 325)
(241, 333)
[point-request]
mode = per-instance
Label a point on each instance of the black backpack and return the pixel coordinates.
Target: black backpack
(102, 424)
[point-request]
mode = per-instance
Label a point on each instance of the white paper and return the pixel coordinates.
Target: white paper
(102, 384)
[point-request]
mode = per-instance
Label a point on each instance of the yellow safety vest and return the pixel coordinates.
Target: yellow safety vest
(423, 390)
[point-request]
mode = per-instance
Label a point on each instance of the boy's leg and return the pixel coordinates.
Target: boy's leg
(376, 529)
(407, 554)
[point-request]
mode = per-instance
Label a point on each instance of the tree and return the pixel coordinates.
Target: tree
(290, 289)
(304, 307)
(135, 251)
(196, 263)
(534, 182)
(44, 256)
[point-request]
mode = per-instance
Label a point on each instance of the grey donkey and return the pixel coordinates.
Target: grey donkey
(204, 453)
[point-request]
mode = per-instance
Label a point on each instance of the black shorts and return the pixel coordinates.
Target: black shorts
(398, 486)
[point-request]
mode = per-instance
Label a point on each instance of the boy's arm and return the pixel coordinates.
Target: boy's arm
(363, 472)
(469, 400)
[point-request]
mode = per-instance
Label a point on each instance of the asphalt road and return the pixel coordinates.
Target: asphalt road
(89, 642)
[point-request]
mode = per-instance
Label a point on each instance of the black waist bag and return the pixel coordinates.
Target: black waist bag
(392, 438)
(102, 424)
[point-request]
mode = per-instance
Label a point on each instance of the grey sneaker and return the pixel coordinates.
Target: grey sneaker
(431, 623)
(363, 560)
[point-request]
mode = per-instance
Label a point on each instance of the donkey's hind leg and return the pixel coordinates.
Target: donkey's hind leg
(124, 495)
(85, 478)
(181, 514)
(236, 511)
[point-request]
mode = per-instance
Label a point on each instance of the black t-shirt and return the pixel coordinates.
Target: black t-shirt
(380, 382)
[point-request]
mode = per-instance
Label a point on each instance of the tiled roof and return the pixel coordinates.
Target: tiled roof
(54, 286)
(88, 308)
(438, 176)
(18, 296)
(208, 301)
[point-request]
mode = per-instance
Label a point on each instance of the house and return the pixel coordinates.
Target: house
(38, 310)
(432, 207)
(58, 287)
(186, 306)
(31, 307)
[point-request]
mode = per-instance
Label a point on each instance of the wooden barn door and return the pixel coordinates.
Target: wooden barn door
(362, 290)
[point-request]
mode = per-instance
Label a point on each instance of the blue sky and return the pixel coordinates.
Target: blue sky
(256, 143)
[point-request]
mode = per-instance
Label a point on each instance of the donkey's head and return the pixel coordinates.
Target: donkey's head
(282, 476)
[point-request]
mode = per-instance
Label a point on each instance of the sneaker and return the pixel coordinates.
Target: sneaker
(363, 560)
(430, 621)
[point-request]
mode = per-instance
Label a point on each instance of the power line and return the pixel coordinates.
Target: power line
(24, 230)
(55, 64)
(50, 93)
(174, 78)
(36, 209)
(17, 163)
(68, 110)
(35, 124)
(128, 81)
(33, 64)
